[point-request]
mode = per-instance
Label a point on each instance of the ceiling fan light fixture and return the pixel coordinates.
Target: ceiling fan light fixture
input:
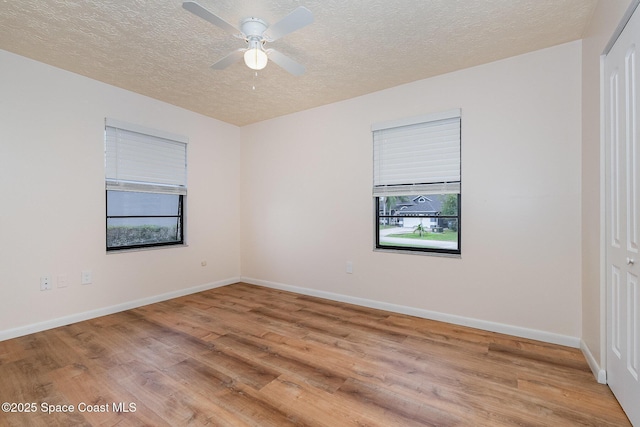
(256, 33)
(255, 57)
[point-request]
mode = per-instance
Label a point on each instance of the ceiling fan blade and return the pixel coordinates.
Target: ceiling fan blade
(203, 13)
(228, 60)
(297, 19)
(285, 62)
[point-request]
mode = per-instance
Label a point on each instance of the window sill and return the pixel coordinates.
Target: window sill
(153, 248)
(421, 253)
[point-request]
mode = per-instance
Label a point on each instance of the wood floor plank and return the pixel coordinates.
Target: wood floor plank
(262, 352)
(318, 407)
(241, 369)
(95, 395)
(168, 399)
(597, 402)
(244, 355)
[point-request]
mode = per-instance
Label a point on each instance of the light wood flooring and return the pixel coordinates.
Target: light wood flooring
(244, 355)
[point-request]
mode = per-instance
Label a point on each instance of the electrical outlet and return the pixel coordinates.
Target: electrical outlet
(86, 277)
(45, 283)
(349, 267)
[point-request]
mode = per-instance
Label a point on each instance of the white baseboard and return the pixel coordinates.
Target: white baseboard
(92, 314)
(517, 331)
(598, 372)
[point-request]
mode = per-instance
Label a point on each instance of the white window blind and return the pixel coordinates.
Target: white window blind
(417, 156)
(144, 160)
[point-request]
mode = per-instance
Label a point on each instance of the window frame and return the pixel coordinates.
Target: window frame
(168, 183)
(417, 187)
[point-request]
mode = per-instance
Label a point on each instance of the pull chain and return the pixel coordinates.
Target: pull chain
(255, 77)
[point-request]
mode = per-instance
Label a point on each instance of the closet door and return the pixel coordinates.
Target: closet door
(622, 109)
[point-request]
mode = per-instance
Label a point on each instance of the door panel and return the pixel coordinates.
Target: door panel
(615, 312)
(622, 217)
(632, 325)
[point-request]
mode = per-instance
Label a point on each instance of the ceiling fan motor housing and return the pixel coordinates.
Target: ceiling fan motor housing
(253, 28)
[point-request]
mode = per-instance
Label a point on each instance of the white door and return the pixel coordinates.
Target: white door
(622, 127)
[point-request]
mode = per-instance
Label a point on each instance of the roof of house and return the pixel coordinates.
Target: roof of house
(421, 205)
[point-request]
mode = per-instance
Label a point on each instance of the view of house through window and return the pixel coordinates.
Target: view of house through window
(424, 221)
(416, 183)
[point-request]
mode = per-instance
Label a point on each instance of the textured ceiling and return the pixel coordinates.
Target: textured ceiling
(158, 49)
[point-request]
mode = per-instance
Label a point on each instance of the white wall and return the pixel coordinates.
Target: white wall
(605, 19)
(307, 207)
(52, 214)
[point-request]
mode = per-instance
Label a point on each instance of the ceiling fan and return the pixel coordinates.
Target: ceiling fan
(256, 33)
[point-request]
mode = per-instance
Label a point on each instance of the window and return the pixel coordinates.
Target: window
(416, 183)
(146, 177)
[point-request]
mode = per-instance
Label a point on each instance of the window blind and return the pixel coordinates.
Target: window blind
(144, 160)
(417, 156)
